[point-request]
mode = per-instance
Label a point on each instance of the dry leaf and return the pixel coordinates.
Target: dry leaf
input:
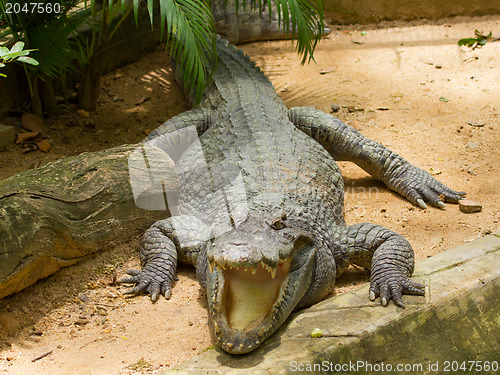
(33, 123)
(23, 137)
(44, 145)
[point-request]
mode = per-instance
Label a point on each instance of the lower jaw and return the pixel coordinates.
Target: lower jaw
(249, 301)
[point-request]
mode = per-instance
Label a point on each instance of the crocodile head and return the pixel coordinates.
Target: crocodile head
(257, 274)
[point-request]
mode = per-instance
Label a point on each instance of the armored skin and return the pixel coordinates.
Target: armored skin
(259, 209)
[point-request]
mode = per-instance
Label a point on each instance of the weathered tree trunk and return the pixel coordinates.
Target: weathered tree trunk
(55, 215)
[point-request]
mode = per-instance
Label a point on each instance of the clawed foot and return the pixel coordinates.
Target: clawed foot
(418, 186)
(147, 281)
(390, 282)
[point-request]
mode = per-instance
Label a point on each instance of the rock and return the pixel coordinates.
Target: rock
(469, 207)
(83, 297)
(335, 108)
(472, 146)
(81, 321)
(7, 135)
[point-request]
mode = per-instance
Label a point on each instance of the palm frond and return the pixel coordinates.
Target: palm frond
(189, 27)
(305, 18)
(53, 52)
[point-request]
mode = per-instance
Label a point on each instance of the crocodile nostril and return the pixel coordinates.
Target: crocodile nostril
(238, 243)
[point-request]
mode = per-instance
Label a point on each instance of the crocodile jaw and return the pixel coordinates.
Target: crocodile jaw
(248, 296)
(247, 307)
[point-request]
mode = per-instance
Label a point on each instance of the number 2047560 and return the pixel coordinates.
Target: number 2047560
(30, 8)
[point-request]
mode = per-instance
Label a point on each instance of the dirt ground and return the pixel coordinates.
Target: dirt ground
(408, 86)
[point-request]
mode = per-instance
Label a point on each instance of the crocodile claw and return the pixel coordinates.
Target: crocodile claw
(147, 281)
(389, 282)
(418, 186)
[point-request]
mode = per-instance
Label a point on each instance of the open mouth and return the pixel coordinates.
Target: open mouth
(249, 301)
(249, 295)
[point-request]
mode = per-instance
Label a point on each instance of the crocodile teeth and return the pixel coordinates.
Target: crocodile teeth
(273, 272)
(210, 267)
(270, 269)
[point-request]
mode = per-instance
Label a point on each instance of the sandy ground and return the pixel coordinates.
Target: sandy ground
(387, 83)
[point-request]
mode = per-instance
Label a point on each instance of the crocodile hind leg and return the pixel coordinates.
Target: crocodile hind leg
(388, 256)
(345, 143)
(163, 243)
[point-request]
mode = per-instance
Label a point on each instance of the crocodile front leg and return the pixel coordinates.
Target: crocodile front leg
(387, 254)
(345, 143)
(166, 240)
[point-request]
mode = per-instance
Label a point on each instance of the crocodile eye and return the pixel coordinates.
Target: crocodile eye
(278, 224)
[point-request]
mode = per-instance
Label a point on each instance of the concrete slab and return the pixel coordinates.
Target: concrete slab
(457, 321)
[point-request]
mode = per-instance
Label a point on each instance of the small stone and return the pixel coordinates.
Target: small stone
(83, 297)
(469, 207)
(335, 108)
(7, 135)
(316, 333)
(81, 321)
(472, 146)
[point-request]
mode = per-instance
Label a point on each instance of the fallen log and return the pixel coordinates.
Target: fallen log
(64, 211)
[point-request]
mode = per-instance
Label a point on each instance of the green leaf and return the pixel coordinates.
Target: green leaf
(2, 75)
(2, 65)
(480, 41)
(467, 42)
(443, 99)
(3, 51)
(17, 47)
(28, 60)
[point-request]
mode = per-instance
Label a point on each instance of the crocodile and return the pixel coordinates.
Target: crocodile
(259, 207)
